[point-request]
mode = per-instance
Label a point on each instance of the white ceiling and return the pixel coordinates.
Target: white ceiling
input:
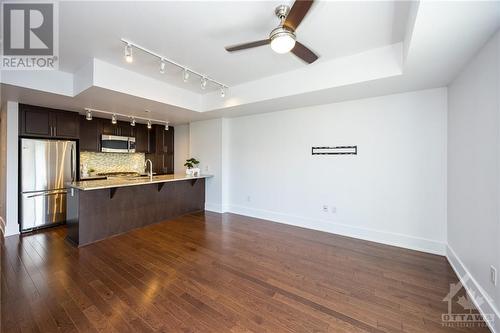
(367, 49)
(194, 33)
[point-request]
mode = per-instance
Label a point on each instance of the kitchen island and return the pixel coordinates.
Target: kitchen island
(100, 209)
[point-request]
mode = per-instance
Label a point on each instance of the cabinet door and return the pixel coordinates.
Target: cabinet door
(65, 124)
(108, 128)
(141, 134)
(90, 139)
(124, 128)
(168, 139)
(35, 121)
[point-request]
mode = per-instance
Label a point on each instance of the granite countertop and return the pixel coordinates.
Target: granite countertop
(88, 185)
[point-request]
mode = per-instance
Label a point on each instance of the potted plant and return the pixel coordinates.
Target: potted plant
(192, 167)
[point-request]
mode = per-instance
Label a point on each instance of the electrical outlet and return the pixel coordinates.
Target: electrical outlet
(249, 198)
(334, 210)
(207, 168)
(493, 275)
(325, 208)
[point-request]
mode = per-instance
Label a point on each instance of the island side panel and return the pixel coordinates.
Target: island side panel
(72, 215)
(131, 207)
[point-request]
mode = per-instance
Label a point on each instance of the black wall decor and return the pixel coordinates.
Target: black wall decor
(339, 150)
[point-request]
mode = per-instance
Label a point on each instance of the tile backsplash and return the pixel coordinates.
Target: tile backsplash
(112, 162)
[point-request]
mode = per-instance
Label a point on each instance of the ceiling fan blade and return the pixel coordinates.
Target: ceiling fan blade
(304, 53)
(297, 13)
(247, 45)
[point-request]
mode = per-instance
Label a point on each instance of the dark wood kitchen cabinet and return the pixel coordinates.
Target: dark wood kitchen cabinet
(36, 121)
(141, 134)
(162, 149)
(91, 131)
(66, 124)
(121, 128)
(90, 135)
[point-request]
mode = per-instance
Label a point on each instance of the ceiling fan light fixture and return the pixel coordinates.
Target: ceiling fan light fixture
(282, 40)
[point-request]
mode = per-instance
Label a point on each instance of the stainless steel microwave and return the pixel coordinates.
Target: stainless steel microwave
(117, 144)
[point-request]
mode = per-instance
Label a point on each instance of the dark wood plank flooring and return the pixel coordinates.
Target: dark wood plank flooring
(217, 273)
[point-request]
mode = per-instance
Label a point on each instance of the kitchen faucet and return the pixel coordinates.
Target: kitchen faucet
(150, 173)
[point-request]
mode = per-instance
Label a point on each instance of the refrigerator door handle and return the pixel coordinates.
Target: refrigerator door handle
(73, 162)
(46, 194)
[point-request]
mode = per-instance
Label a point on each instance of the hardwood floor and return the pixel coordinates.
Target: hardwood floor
(217, 273)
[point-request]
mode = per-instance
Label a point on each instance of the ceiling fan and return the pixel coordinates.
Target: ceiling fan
(282, 38)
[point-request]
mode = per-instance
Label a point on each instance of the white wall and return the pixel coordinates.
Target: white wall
(181, 147)
(473, 173)
(206, 146)
(3, 161)
(11, 169)
(393, 191)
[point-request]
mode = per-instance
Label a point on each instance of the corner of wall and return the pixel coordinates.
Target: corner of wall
(475, 291)
(11, 189)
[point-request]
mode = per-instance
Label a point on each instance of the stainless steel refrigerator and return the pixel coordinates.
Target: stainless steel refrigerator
(46, 168)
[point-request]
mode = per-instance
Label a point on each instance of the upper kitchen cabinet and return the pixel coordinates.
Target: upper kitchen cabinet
(42, 122)
(124, 129)
(90, 135)
(106, 127)
(66, 124)
(141, 134)
(121, 128)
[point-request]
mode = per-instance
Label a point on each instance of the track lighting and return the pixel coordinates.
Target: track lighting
(132, 123)
(113, 119)
(222, 92)
(128, 53)
(164, 61)
(166, 126)
(149, 124)
(89, 115)
(163, 66)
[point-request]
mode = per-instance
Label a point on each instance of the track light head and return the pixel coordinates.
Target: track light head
(128, 53)
(203, 83)
(132, 122)
(89, 115)
(113, 119)
(163, 66)
(149, 124)
(185, 75)
(166, 126)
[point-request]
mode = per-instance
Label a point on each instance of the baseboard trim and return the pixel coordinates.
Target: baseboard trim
(474, 288)
(388, 238)
(211, 207)
(2, 226)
